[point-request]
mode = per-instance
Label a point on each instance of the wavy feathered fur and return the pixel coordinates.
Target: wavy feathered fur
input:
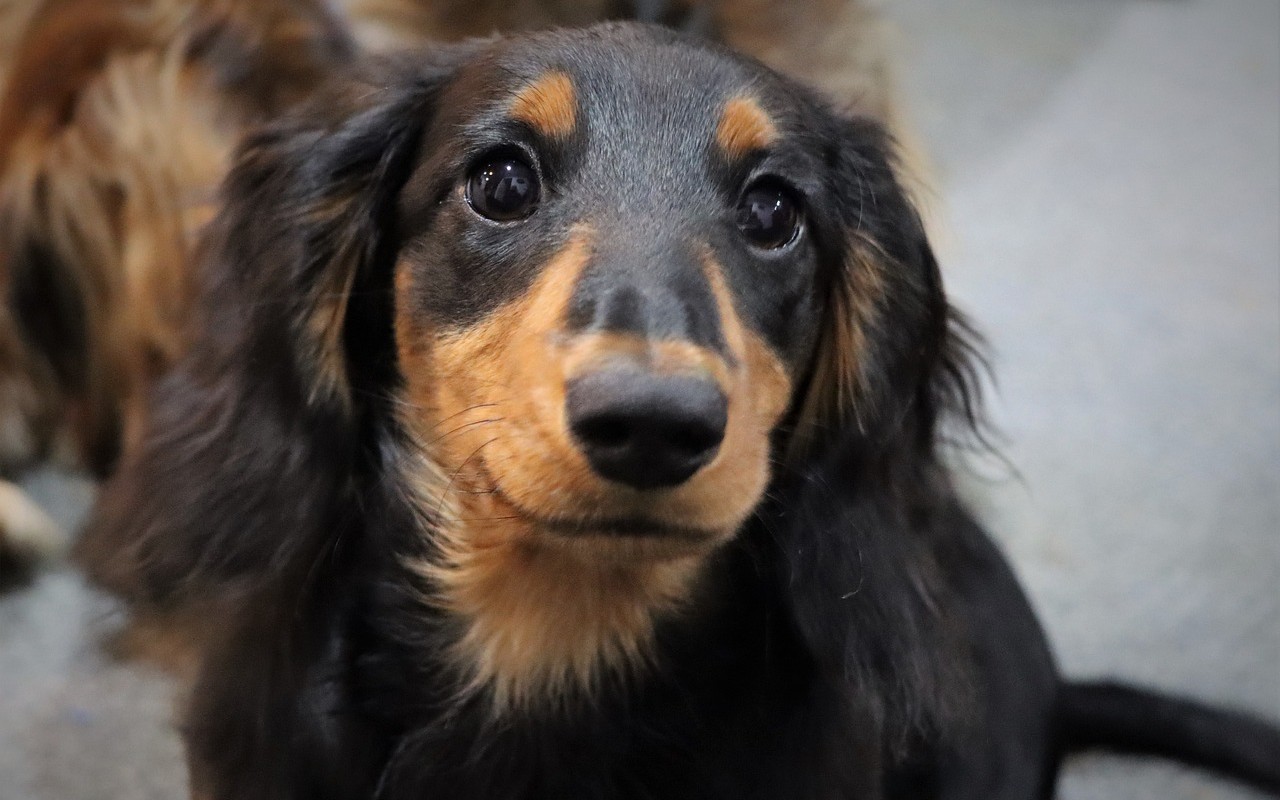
(117, 121)
(268, 481)
(860, 637)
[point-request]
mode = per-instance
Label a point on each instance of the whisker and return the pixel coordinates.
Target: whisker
(454, 477)
(463, 427)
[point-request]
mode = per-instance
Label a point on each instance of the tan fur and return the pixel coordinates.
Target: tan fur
(113, 139)
(545, 611)
(743, 127)
(331, 295)
(851, 315)
(116, 126)
(584, 352)
(543, 621)
(172, 641)
(70, 147)
(117, 121)
(548, 105)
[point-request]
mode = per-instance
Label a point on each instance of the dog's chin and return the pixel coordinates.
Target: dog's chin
(608, 546)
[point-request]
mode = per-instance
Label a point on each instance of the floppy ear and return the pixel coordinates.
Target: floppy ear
(864, 495)
(253, 450)
(307, 232)
(893, 357)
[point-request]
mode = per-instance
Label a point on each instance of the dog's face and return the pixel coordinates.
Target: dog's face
(609, 288)
(579, 297)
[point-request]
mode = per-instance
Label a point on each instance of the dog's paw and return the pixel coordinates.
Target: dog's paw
(28, 536)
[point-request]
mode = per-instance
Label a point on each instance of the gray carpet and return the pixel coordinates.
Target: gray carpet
(1110, 179)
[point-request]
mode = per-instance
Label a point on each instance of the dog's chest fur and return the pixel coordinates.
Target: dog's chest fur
(733, 708)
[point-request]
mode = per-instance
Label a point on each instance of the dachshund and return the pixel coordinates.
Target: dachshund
(117, 121)
(564, 418)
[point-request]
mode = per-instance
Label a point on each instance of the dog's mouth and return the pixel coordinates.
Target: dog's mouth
(581, 527)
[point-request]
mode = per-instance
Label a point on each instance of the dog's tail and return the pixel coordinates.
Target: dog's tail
(1128, 719)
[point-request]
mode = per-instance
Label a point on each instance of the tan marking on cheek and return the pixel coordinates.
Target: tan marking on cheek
(543, 472)
(541, 617)
(547, 616)
(743, 127)
(408, 332)
(770, 385)
(507, 365)
(548, 105)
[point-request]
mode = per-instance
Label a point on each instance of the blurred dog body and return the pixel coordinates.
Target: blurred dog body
(117, 120)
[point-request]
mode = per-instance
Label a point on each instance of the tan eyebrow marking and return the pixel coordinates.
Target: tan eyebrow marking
(548, 105)
(744, 126)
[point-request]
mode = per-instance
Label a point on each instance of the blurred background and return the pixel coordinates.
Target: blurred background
(1107, 204)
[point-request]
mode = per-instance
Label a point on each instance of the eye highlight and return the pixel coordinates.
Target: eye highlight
(503, 188)
(769, 215)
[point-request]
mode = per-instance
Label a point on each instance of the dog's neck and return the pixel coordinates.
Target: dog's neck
(546, 621)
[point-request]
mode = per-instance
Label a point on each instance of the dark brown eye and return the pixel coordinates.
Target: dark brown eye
(503, 189)
(769, 216)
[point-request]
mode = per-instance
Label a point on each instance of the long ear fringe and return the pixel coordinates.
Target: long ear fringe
(892, 353)
(957, 388)
(831, 396)
(898, 375)
(247, 468)
(856, 564)
(315, 206)
(866, 596)
(844, 395)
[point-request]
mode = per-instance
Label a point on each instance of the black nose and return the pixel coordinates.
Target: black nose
(646, 430)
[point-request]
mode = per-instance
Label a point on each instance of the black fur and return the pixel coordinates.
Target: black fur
(1109, 716)
(860, 638)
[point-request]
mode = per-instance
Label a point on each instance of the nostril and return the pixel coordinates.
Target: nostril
(603, 431)
(646, 430)
(695, 439)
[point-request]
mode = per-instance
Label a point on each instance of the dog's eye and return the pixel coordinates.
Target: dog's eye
(503, 189)
(769, 216)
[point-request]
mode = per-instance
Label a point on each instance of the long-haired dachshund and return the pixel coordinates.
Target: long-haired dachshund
(117, 121)
(564, 422)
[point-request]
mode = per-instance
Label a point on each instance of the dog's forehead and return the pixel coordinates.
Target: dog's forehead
(634, 93)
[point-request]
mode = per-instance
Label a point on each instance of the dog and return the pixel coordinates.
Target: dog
(564, 419)
(116, 125)
(117, 121)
